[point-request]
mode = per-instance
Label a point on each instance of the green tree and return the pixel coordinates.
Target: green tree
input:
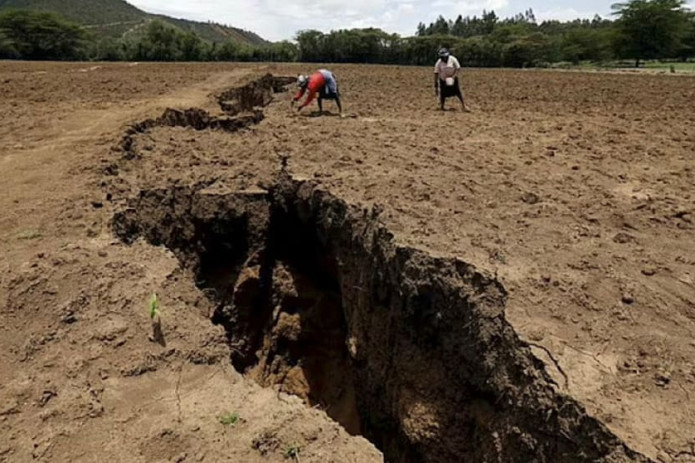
(284, 51)
(40, 35)
(192, 47)
(7, 49)
(275, 52)
(160, 43)
(585, 44)
(236, 51)
(311, 46)
(688, 45)
(459, 27)
(529, 50)
(479, 51)
(651, 29)
(106, 49)
(440, 27)
(228, 51)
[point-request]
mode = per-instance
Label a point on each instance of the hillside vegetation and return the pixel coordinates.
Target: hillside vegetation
(117, 18)
(639, 32)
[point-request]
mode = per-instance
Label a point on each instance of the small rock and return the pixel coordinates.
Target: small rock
(97, 204)
(68, 318)
(47, 395)
(264, 185)
(662, 379)
(649, 271)
(102, 254)
(628, 299)
(530, 198)
(624, 238)
(664, 457)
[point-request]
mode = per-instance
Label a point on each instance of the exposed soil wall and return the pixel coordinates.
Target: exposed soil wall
(412, 351)
(240, 105)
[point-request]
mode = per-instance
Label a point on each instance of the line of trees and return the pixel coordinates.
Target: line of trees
(643, 29)
(32, 35)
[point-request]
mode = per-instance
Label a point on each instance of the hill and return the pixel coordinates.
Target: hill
(116, 18)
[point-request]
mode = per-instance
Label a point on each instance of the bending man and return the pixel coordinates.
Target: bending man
(446, 81)
(322, 83)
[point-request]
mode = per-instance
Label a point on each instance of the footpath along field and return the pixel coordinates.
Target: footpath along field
(513, 284)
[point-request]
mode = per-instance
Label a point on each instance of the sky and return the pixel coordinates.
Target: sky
(281, 19)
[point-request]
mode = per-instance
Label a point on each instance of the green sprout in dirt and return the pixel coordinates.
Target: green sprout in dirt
(229, 419)
(154, 307)
(292, 451)
(156, 317)
(29, 235)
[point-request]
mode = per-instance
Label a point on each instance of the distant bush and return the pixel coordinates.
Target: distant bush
(36, 35)
(7, 49)
(162, 42)
(106, 49)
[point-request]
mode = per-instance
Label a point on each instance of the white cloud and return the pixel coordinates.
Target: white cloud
(477, 6)
(563, 14)
(449, 8)
(406, 8)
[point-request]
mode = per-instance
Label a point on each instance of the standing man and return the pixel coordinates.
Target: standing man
(322, 83)
(446, 81)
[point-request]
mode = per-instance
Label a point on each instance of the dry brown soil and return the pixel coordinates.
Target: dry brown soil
(574, 190)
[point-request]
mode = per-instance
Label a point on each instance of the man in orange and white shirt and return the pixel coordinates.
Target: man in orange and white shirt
(322, 83)
(446, 81)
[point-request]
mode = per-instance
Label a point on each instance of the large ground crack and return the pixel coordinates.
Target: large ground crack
(411, 351)
(240, 106)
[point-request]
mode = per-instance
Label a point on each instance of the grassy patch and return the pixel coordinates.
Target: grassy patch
(678, 67)
(292, 451)
(229, 419)
(29, 235)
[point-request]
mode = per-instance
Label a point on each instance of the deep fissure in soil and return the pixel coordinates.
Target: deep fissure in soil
(411, 351)
(240, 106)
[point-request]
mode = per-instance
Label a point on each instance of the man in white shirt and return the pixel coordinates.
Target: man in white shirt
(446, 81)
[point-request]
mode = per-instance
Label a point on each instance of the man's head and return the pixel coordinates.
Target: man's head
(444, 53)
(302, 81)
